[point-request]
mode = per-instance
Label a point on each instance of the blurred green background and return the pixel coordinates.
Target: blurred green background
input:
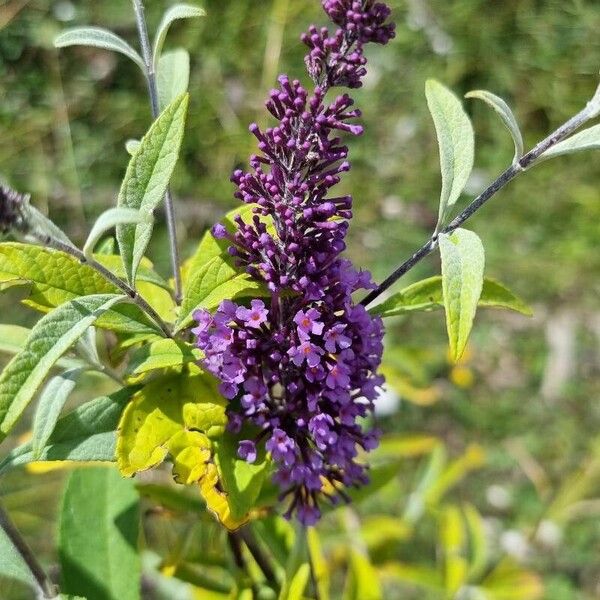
(523, 404)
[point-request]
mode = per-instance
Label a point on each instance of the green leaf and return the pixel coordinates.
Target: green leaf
(214, 282)
(240, 480)
(88, 433)
(588, 139)
(147, 179)
(463, 261)
(98, 536)
(56, 278)
(111, 218)
(52, 401)
(211, 247)
(507, 116)
(12, 565)
(51, 337)
(98, 38)
(162, 354)
(363, 581)
(173, 75)
(456, 142)
(427, 295)
(175, 13)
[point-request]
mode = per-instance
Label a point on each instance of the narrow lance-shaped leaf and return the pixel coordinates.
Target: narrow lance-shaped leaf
(173, 75)
(507, 116)
(99, 528)
(111, 218)
(147, 178)
(463, 262)
(588, 139)
(88, 433)
(51, 337)
(175, 13)
(50, 405)
(98, 37)
(456, 142)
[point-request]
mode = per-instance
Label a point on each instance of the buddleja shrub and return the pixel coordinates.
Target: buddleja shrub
(253, 373)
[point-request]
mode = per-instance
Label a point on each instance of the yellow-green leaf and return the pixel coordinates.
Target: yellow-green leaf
(463, 262)
(159, 412)
(216, 281)
(452, 538)
(162, 354)
(217, 501)
(477, 541)
(363, 580)
(56, 278)
(319, 563)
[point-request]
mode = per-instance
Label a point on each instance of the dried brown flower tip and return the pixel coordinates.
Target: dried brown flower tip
(12, 210)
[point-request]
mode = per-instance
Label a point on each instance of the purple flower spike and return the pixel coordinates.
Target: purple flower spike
(304, 370)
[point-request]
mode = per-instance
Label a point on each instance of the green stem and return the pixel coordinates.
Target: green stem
(138, 6)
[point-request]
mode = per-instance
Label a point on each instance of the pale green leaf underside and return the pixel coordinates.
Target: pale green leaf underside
(51, 337)
(588, 139)
(175, 13)
(456, 141)
(12, 565)
(110, 219)
(506, 115)
(14, 337)
(463, 262)
(147, 179)
(97, 37)
(88, 433)
(50, 404)
(173, 76)
(56, 278)
(428, 295)
(98, 535)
